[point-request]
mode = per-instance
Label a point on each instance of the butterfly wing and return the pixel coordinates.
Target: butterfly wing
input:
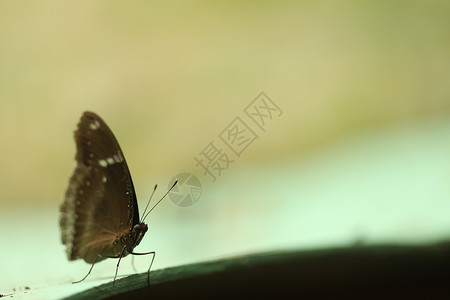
(100, 203)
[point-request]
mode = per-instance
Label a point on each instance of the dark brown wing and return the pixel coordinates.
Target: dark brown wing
(100, 202)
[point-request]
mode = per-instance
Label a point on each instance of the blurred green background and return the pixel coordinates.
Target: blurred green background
(168, 77)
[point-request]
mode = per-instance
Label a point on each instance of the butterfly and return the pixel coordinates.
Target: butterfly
(99, 215)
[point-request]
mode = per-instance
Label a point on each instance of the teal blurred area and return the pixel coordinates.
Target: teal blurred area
(359, 154)
(387, 186)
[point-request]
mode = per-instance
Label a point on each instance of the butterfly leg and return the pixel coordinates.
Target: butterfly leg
(132, 264)
(151, 263)
(88, 272)
(118, 263)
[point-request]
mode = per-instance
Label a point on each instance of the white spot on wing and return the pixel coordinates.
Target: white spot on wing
(110, 160)
(104, 179)
(103, 163)
(94, 125)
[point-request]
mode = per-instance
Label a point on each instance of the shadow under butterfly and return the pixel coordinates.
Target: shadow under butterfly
(99, 216)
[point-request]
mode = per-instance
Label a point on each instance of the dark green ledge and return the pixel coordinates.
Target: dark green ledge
(375, 271)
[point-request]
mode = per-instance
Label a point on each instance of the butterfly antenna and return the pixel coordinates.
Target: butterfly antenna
(168, 191)
(148, 202)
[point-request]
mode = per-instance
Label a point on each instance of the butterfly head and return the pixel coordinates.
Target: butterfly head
(138, 232)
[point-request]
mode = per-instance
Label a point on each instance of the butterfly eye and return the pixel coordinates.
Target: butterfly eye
(136, 229)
